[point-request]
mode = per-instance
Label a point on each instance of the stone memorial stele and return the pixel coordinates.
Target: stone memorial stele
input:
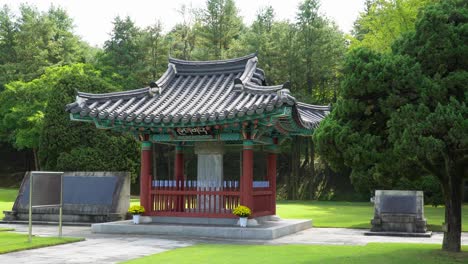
(399, 213)
(91, 197)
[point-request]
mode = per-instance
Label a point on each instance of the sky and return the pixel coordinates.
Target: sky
(93, 18)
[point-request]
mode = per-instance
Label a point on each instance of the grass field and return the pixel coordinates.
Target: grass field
(282, 254)
(7, 198)
(10, 242)
(351, 214)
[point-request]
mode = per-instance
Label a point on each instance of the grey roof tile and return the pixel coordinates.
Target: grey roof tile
(199, 91)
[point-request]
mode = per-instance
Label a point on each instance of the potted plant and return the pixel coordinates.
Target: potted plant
(243, 212)
(136, 211)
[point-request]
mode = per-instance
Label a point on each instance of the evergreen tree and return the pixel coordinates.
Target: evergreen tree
(321, 47)
(34, 41)
(123, 56)
(182, 37)
(404, 114)
(433, 130)
(219, 25)
(8, 30)
(155, 50)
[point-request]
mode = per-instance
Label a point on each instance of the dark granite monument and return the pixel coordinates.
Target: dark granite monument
(87, 197)
(399, 213)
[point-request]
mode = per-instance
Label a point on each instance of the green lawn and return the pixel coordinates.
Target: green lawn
(7, 198)
(351, 214)
(297, 254)
(10, 242)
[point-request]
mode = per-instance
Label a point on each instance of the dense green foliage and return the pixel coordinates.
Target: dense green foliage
(76, 146)
(122, 55)
(371, 253)
(383, 21)
(36, 40)
(218, 25)
(404, 114)
(354, 135)
(432, 131)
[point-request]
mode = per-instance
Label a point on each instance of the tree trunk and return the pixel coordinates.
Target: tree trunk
(312, 170)
(453, 213)
(295, 168)
(36, 160)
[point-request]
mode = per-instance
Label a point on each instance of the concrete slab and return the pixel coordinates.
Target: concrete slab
(95, 249)
(400, 234)
(44, 223)
(266, 230)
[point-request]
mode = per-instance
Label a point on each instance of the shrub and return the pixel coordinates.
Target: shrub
(242, 211)
(136, 209)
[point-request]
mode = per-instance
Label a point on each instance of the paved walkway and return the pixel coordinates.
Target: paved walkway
(101, 248)
(96, 249)
(345, 236)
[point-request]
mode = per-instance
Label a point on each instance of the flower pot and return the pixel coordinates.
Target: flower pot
(136, 219)
(243, 221)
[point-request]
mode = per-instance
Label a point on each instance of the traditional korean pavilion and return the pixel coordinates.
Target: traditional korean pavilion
(206, 106)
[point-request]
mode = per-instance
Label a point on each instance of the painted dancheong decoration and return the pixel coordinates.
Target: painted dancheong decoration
(205, 105)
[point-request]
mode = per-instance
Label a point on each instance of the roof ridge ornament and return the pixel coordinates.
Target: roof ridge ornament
(173, 60)
(154, 88)
(238, 85)
(249, 70)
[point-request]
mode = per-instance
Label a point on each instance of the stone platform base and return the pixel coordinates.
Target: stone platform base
(18, 217)
(53, 223)
(213, 228)
(399, 234)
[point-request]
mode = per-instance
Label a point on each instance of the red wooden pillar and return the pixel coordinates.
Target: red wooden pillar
(145, 176)
(271, 171)
(179, 176)
(246, 184)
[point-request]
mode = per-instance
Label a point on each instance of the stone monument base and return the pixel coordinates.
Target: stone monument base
(399, 213)
(399, 234)
(398, 223)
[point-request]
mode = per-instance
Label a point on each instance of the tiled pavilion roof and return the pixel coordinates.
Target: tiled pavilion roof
(192, 93)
